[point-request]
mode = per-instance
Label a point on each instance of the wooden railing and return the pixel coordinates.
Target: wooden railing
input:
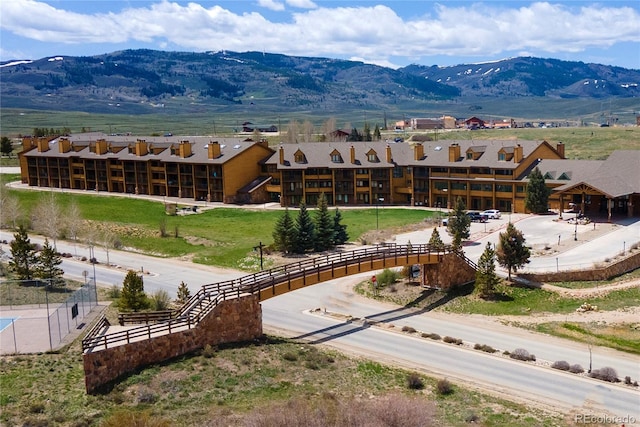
(209, 296)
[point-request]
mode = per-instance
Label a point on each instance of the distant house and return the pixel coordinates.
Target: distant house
(249, 127)
(427, 123)
(340, 134)
(474, 123)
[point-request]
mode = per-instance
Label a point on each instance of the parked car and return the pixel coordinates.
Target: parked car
(492, 213)
(477, 216)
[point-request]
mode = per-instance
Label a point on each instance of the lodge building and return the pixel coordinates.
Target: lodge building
(486, 174)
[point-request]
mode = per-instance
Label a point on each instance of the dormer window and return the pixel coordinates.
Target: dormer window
(469, 155)
(336, 157)
(564, 177)
(299, 157)
(502, 157)
(372, 156)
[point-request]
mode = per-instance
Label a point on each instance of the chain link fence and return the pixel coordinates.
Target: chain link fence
(36, 317)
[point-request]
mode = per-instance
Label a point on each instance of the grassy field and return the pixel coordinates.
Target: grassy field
(222, 236)
(252, 384)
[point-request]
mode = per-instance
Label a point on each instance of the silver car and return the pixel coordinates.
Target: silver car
(492, 213)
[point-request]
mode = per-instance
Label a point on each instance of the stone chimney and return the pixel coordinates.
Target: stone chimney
(560, 149)
(214, 150)
(389, 156)
(418, 151)
(43, 145)
(281, 152)
(184, 149)
(64, 145)
(517, 154)
(454, 152)
(101, 146)
(352, 150)
(142, 149)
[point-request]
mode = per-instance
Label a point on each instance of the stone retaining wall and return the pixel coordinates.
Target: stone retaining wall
(450, 272)
(625, 265)
(234, 320)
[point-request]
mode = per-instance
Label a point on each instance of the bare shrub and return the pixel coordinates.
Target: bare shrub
(145, 395)
(209, 351)
(627, 380)
(444, 387)
(576, 369)
(414, 382)
(290, 356)
(132, 417)
(522, 354)
(451, 340)
(160, 300)
(562, 365)
(393, 410)
(432, 336)
(484, 347)
(605, 374)
(408, 329)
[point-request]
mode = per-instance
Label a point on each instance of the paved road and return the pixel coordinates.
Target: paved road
(288, 314)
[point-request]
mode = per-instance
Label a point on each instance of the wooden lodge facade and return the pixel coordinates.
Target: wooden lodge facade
(486, 174)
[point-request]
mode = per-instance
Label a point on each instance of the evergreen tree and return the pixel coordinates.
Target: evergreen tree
(486, 277)
(23, 255)
(435, 241)
(367, 133)
(354, 136)
(183, 294)
(377, 136)
(305, 231)
(324, 226)
(5, 146)
(133, 296)
(48, 268)
(512, 253)
(284, 233)
(459, 224)
(340, 235)
(537, 197)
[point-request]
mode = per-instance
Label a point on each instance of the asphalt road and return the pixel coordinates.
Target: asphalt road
(289, 315)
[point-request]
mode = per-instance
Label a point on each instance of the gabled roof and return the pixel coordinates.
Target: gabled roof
(436, 153)
(618, 175)
(229, 148)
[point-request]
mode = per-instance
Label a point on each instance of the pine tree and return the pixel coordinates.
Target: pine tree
(486, 277)
(183, 294)
(512, 253)
(459, 224)
(324, 226)
(377, 136)
(305, 231)
(133, 296)
(355, 135)
(284, 233)
(367, 133)
(48, 268)
(23, 255)
(340, 235)
(435, 241)
(5, 146)
(537, 197)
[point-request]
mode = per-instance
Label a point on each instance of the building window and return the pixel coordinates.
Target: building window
(299, 158)
(440, 185)
(458, 185)
(470, 155)
(336, 158)
(373, 157)
(398, 172)
(502, 156)
(504, 188)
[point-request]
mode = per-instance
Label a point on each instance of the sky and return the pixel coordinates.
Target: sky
(390, 33)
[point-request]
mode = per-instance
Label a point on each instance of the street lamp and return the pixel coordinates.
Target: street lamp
(575, 232)
(260, 246)
(380, 199)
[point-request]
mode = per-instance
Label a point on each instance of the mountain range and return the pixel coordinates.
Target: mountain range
(141, 81)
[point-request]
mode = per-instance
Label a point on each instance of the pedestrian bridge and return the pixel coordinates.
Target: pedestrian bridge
(230, 311)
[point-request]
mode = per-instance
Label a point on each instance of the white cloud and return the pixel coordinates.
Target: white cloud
(470, 30)
(302, 4)
(271, 4)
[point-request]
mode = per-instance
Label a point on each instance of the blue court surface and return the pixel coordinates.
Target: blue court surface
(5, 322)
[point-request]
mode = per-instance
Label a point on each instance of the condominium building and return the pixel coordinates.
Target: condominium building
(486, 174)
